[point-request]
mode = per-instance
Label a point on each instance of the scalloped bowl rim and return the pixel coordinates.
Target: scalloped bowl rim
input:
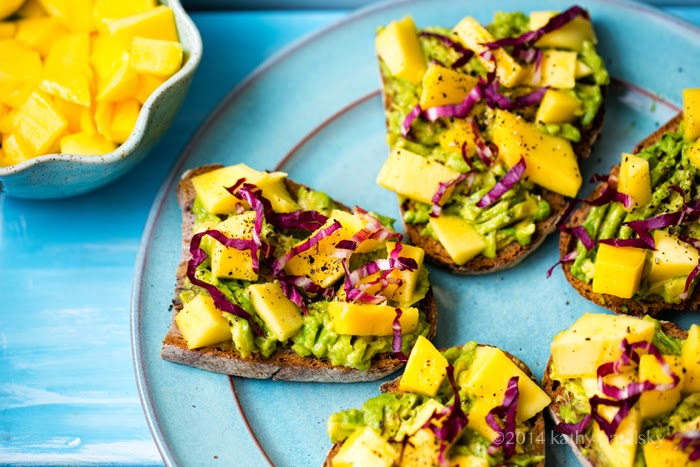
(126, 148)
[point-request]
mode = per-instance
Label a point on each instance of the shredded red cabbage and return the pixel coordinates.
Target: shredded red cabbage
(220, 300)
(505, 436)
(397, 341)
(442, 189)
(486, 152)
(454, 110)
(688, 439)
(504, 184)
(465, 54)
(581, 233)
(454, 421)
(310, 242)
(412, 115)
(466, 157)
(564, 259)
(494, 98)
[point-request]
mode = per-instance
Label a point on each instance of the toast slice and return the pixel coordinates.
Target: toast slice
(651, 305)
(284, 364)
(535, 448)
(555, 390)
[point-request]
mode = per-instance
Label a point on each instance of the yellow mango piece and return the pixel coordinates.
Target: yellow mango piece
(399, 48)
(7, 29)
(634, 179)
(468, 461)
(103, 118)
(359, 319)
(9, 7)
(120, 84)
(76, 15)
(124, 118)
(444, 86)
(39, 123)
(274, 188)
(595, 339)
(618, 270)
(39, 33)
(425, 370)
(590, 385)
(570, 36)
(157, 23)
(147, 85)
(459, 237)
(71, 112)
(487, 379)
(20, 69)
(115, 9)
(459, 133)
(67, 71)
(201, 323)
(558, 107)
(365, 447)
(474, 35)
(666, 453)
(558, 69)
(31, 9)
(282, 317)
(672, 258)
(87, 122)
(582, 70)
(691, 360)
(413, 176)
(476, 419)
(228, 262)
(422, 448)
(550, 160)
(691, 113)
(622, 451)
(211, 187)
(86, 144)
(156, 57)
(402, 294)
(15, 150)
(656, 403)
(106, 53)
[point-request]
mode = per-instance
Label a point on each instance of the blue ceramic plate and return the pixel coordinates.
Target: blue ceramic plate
(314, 111)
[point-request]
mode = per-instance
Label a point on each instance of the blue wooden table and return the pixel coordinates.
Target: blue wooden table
(67, 389)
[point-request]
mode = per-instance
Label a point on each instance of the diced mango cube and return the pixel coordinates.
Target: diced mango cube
(422, 448)
(656, 403)
(618, 270)
(425, 370)
(444, 86)
(413, 176)
(86, 144)
(398, 47)
(666, 453)
(76, 15)
(20, 69)
(39, 123)
(115, 9)
(7, 29)
(365, 447)
(550, 160)
(691, 360)
(634, 179)
(228, 262)
(459, 237)
(476, 419)
(120, 84)
(279, 313)
(570, 36)
(147, 85)
(459, 133)
(582, 70)
(558, 69)
(31, 9)
(126, 112)
(558, 107)
(39, 33)
(487, 379)
(67, 70)
(274, 188)
(156, 57)
(402, 293)
(15, 150)
(104, 112)
(691, 113)
(211, 187)
(71, 112)
(622, 451)
(359, 319)
(595, 339)
(201, 323)
(474, 35)
(157, 23)
(672, 258)
(106, 53)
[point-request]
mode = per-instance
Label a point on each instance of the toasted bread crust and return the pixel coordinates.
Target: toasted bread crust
(512, 254)
(555, 390)
(283, 364)
(537, 425)
(652, 305)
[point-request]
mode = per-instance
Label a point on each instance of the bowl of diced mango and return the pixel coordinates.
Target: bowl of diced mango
(87, 88)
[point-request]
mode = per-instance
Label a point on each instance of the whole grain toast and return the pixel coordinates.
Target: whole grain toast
(555, 390)
(538, 447)
(514, 253)
(652, 305)
(284, 364)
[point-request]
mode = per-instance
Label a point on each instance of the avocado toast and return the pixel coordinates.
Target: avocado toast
(295, 317)
(474, 116)
(632, 247)
(630, 380)
(494, 416)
